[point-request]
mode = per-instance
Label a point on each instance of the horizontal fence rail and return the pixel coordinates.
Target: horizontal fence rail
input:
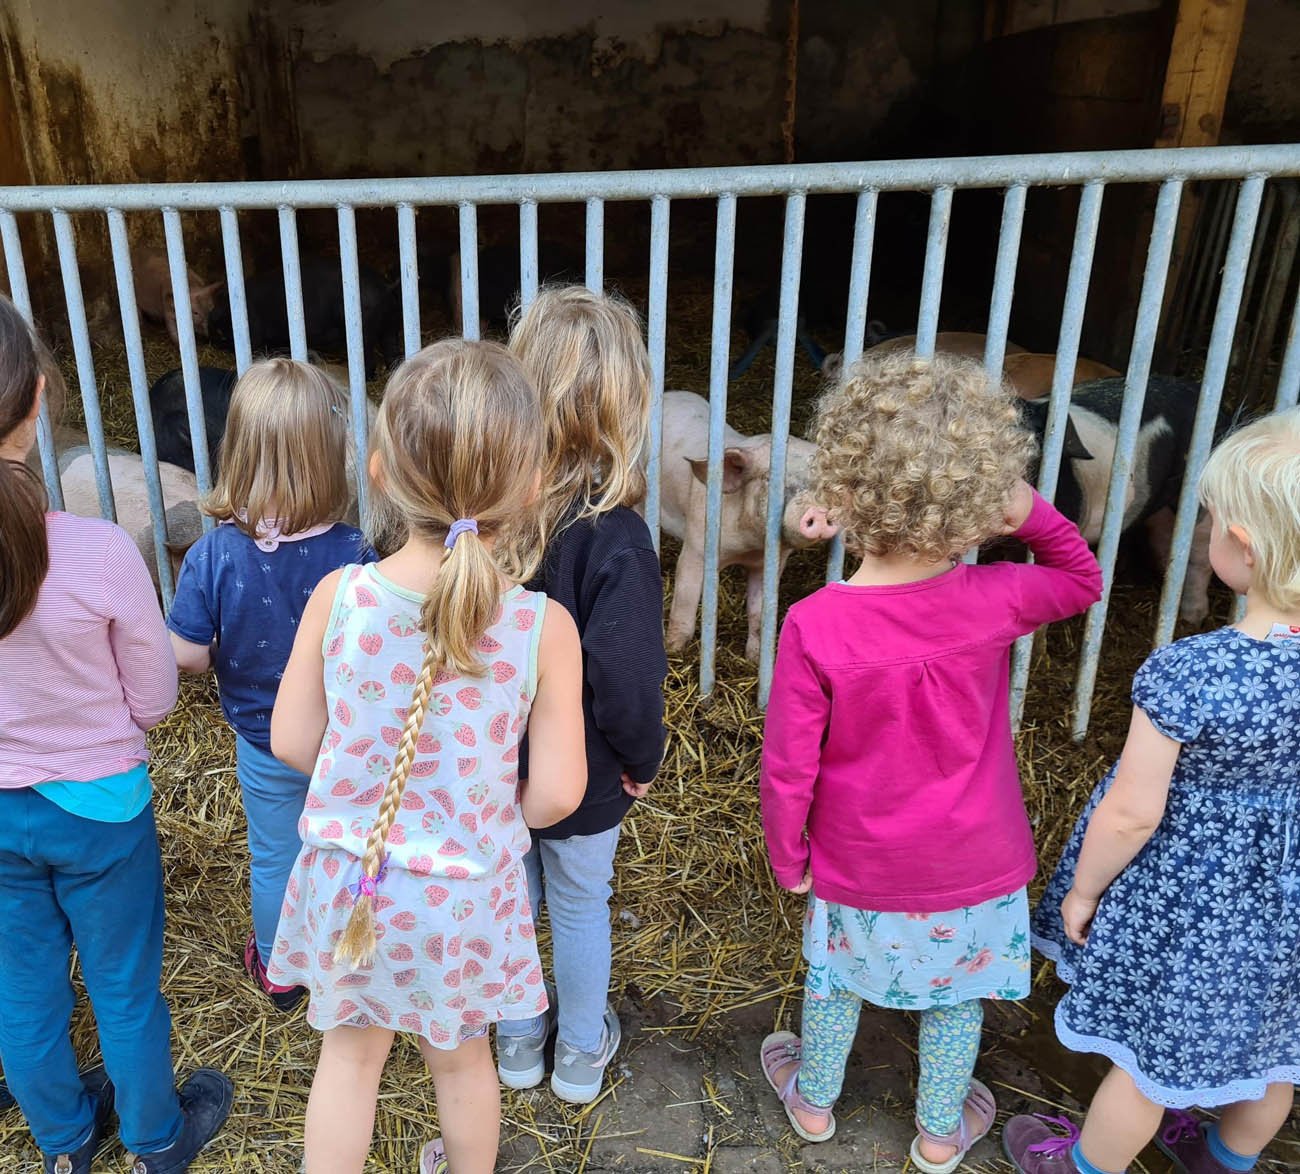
(1216, 286)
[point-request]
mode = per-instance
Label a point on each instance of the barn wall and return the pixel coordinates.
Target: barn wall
(1264, 94)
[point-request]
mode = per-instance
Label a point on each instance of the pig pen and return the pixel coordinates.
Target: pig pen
(706, 948)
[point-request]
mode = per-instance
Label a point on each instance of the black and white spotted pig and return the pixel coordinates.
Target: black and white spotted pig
(1159, 465)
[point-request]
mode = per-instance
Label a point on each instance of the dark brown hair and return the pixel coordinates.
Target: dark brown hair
(24, 549)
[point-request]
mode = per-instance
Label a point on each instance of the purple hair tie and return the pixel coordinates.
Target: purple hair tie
(368, 886)
(459, 527)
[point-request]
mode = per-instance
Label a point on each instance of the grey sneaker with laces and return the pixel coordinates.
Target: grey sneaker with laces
(521, 1059)
(578, 1075)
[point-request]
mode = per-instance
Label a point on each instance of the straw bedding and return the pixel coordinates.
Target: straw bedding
(700, 929)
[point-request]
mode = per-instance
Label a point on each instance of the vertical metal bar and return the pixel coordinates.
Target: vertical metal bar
(656, 331)
(1004, 279)
(719, 361)
(1212, 263)
(783, 387)
(1280, 271)
(1130, 419)
(189, 353)
(292, 283)
(936, 247)
(409, 267)
(1067, 353)
(235, 288)
(527, 253)
(67, 246)
(1262, 224)
(855, 328)
(1288, 378)
(351, 271)
(469, 317)
(1207, 406)
(22, 300)
(140, 398)
(595, 245)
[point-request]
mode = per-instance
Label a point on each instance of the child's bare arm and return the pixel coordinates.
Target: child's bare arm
(191, 657)
(557, 772)
(300, 715)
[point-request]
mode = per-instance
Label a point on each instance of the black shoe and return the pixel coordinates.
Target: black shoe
(283, 998)
(100, 1090)
(6, 1097)
(205, 1100)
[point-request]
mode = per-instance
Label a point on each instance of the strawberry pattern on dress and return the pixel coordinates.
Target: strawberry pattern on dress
(454, 928)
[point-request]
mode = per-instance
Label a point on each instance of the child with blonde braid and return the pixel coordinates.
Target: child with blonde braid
(410, 684)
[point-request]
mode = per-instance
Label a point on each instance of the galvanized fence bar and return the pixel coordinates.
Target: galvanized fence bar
(1130, 419)
(67, 246)
(1207, 405)
(189, 353)
(855, 327)
(1263, 222)
(409, 272)
(235, 287)
(469, 315)
(782, 392)
(291, 261)
(1067, 352)
(18, 291)
(1280, 270)
(595, 244)
(936, 249)
(1004, 279)
(656, 334)
(357, 343)
(527, 252)
(1214, 254)
(1288, 378)
(140, 399)
(1069, 167)
(719, 363)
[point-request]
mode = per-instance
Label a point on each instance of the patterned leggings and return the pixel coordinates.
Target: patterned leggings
(950, 1041)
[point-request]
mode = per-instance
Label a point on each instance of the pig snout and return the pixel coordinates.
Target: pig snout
(815, 526)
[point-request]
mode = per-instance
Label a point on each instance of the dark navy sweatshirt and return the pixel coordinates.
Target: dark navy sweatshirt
(605, 572)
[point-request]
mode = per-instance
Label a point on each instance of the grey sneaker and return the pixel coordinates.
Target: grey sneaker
(521, 1059)
(578, 1075)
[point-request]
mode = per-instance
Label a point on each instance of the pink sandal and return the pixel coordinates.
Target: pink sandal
(781, 1049)
(981, 1104)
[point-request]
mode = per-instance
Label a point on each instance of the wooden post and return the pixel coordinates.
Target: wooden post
(1201, 57)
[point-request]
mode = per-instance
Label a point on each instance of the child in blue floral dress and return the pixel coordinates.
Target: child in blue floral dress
(1174, 914)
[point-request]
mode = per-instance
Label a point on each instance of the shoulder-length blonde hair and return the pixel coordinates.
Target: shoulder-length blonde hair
(585, 353)
(285, 451)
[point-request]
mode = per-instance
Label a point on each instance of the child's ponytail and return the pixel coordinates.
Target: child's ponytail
(24, 547)
(464, 598)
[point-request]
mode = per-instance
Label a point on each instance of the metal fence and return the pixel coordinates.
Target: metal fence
(1248, 167)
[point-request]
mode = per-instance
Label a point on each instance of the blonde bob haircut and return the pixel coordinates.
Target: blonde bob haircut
(918, 457)
(285, 451)
(458, 436)
(1252, 480)
(585, 353)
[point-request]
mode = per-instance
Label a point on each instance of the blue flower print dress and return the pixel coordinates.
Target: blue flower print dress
(1190, 980)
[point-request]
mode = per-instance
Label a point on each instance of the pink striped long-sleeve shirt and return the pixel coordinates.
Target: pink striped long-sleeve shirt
(90, 669)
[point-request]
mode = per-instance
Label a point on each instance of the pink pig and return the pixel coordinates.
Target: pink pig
(153, 292)
(744, 508)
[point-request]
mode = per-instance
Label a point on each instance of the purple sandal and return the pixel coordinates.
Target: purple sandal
(979, 1102)
(784, 1049)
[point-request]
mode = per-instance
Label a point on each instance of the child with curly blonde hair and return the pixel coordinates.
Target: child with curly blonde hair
(889, 784)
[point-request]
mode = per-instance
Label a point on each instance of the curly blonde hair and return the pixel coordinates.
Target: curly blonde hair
(918, 457)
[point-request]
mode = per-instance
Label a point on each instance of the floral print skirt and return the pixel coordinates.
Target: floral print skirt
(919, 960)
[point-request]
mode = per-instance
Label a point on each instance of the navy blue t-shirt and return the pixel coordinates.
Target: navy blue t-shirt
(250, 601)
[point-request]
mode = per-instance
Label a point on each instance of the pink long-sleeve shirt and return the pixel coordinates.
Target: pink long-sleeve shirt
(888, 763)
(90, 668)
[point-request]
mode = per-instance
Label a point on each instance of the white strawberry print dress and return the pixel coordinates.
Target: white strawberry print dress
(455, 949)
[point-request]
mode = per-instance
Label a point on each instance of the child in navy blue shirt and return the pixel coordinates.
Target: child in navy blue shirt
(282, 489)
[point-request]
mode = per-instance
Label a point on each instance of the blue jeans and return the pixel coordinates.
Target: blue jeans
(274, 795)
(68, 880)
(577, 873)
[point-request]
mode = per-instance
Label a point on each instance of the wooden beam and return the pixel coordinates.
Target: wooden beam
(1201, 57)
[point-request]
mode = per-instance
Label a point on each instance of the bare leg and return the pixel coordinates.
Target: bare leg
(754, 608)
(1119, 1124)
(469, 1104)
(1248, 1126)
(341, 1108)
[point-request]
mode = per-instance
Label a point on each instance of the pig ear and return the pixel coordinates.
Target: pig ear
(1073, 447)
(208, 290)
(735, 464)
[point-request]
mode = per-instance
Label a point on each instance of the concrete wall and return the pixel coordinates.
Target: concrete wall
(1264, 95)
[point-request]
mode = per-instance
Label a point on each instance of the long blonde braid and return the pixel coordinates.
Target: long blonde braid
(357, 945)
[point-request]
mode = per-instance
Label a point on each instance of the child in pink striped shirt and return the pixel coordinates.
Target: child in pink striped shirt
(85, 670)
(889, 780)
